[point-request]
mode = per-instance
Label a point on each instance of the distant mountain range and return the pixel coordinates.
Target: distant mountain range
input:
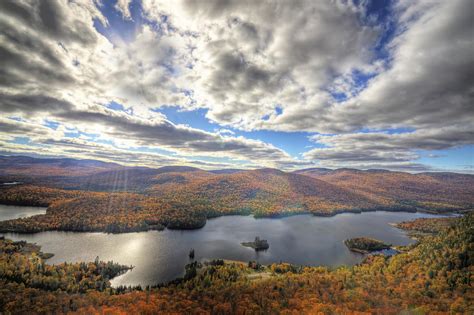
(182, 191)
(357, 187)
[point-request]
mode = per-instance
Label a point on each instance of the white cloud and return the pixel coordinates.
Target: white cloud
(253, 65)
(430, 82)
(251, 56)
(361, 149)
(123, 6)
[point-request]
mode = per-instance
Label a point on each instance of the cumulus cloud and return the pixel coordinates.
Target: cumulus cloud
(49, 142)
(254, 65)
(52, 48)
(428, 88)
(162, 133)
(46, 141)
(123, 6)
(79, 148)
(251, 56)
(390, 149)
(431, 80)
(58, 65)
(125, 130)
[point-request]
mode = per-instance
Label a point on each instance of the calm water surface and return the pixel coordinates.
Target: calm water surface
(161, 256)
(15, 212)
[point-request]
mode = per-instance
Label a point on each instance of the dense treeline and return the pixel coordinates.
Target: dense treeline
(434, 276)
(265, 191)
(106, 212)
(30, 195)
(268, 193)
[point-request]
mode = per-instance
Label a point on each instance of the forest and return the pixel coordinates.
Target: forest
(106, 197)
(434, 275)
(424, 225)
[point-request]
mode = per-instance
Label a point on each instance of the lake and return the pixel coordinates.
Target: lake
(16, 212)
(160, 256)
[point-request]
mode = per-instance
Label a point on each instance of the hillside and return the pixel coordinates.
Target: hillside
(430, 191)
(98, 196)
(179, 200)
(264, 192)
(90, 175)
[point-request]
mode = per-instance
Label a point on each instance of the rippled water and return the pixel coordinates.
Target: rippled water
(161, 256)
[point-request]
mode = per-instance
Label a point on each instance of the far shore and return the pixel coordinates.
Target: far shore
(255, 216)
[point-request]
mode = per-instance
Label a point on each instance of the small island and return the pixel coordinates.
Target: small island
(365, 245)
(258, 244)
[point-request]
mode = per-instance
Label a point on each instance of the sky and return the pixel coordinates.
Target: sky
(240, 84)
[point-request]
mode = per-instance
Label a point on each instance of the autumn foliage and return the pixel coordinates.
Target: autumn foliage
(434, 276)
(109, 198)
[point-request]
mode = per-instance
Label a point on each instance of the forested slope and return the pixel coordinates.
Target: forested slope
(430, 191)
(85, 195)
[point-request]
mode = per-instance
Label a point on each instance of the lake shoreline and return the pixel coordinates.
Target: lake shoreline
(204, 222)
(300, 240)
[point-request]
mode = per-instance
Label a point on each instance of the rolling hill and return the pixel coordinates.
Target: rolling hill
(430, 191)
(97, 196)
(264, 192)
